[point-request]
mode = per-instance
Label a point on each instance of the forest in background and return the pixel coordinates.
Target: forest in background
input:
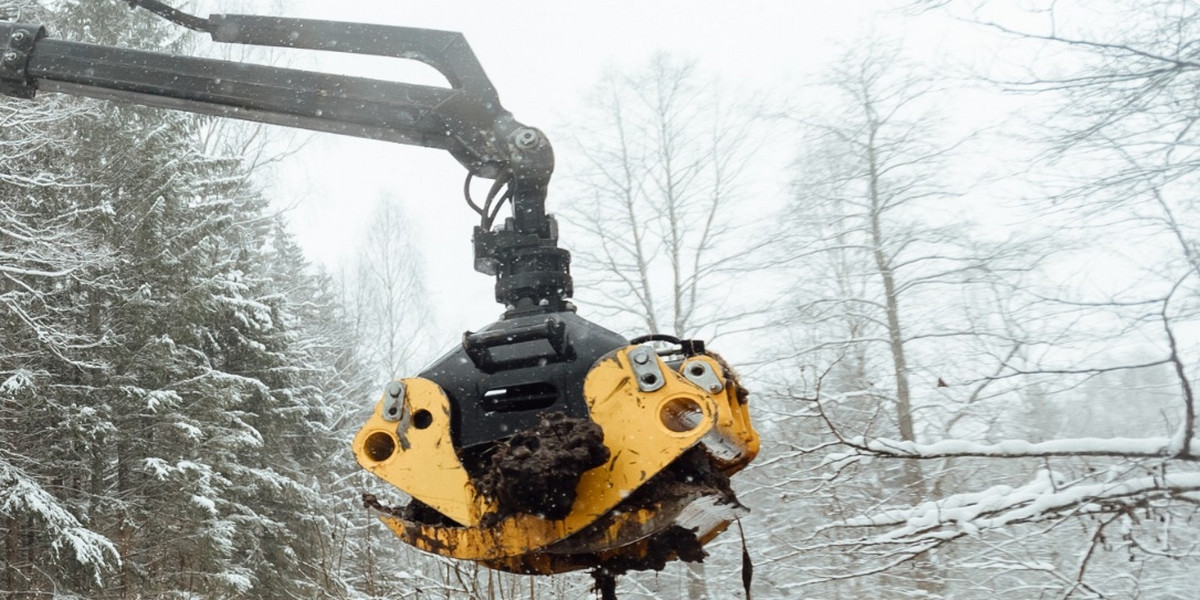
(976, 340)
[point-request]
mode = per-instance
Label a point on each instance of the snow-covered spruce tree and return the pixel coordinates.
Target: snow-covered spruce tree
(48, 261)
(168, 394)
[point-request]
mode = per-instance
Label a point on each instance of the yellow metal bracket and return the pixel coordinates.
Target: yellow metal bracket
(429, 470)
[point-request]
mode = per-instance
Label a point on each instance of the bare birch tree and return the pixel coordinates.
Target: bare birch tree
(388, 293)
(660, 202)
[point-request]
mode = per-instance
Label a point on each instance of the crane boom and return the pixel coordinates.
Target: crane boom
(465, 119)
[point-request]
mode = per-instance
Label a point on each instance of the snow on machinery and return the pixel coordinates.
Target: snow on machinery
(542, 443)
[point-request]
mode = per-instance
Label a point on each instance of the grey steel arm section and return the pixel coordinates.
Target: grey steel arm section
(465, 119)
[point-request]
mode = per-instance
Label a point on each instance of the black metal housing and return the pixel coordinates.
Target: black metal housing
(502, 378)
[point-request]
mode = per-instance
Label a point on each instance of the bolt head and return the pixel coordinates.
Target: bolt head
(526, 138)
(394, 389)
(640, 357)
(11, 58)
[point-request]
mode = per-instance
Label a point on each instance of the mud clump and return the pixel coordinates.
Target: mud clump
(672, 543)
(537, 470)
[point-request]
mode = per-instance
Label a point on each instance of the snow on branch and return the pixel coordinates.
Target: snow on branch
(21, 494)
(1149, 447)
(1044, 498)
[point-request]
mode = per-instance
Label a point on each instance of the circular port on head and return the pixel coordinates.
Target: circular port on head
(379, 446)
(681, 414)
(422, 419)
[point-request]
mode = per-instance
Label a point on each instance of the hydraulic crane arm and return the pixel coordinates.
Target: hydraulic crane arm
(465, 119)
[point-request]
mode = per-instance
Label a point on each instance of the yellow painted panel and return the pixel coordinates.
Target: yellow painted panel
(429, 470)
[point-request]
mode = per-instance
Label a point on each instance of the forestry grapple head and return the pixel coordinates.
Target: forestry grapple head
(615, 456)
(543, 442)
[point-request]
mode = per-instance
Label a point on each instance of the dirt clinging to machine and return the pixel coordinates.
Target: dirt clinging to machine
(536, 471)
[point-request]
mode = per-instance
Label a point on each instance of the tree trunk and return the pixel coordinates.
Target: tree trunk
(925, 574)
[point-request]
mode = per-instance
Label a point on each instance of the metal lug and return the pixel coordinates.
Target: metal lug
(646, 369)
(701, 374)
(393, 401)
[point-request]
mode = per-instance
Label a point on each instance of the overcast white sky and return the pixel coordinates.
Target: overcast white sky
(542, 56)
